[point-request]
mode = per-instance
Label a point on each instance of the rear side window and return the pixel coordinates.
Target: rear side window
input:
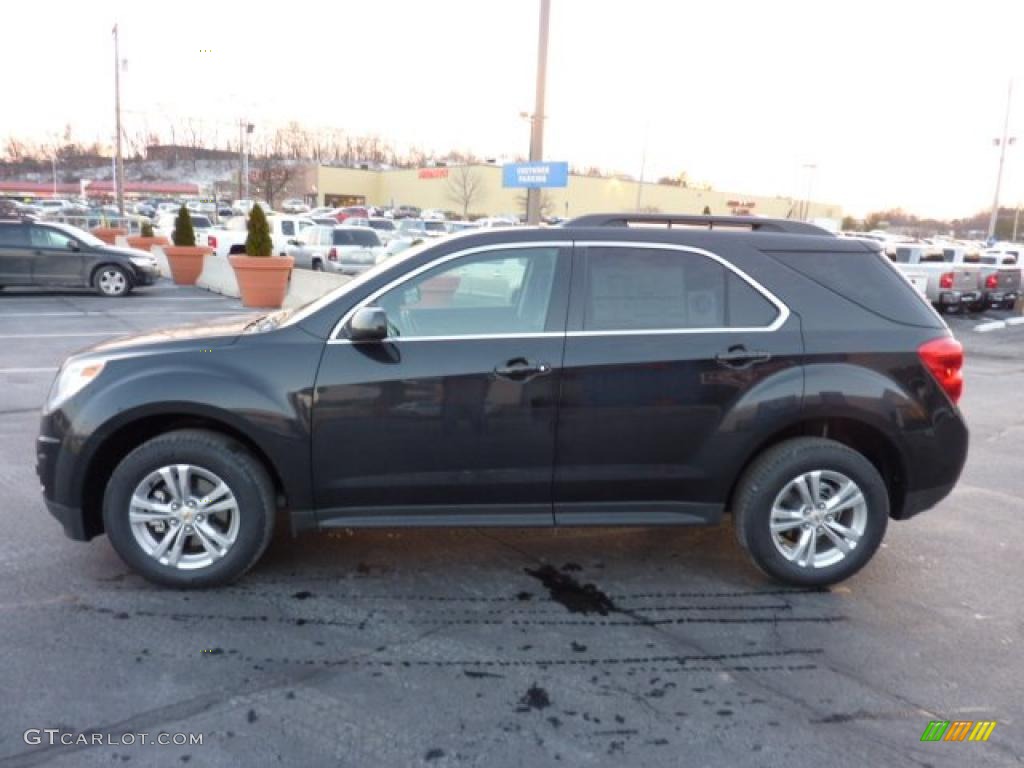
(865, 278)
(662, 289)
(287, 227)
(358, 237)
(13, 235)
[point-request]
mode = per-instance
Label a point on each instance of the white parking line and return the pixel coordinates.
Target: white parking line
(995, 325)
(28, 370)
(1015, 321)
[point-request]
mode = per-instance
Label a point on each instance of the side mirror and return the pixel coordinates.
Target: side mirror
(73, 245)
(293, 241)
(368, 324)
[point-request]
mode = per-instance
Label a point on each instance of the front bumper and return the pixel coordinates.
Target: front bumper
(145, 275)
(48, 451)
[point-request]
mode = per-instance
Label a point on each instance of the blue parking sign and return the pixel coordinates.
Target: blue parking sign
(540, 174)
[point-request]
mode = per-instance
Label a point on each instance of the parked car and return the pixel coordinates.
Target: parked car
(786, 375)
(294, 205)
(351, 212)
(244, 207)
(386, 228)
(283, 229)
(403, 212)
(58, 206)
(434, 214)
(1001, 276)
(947, 286)
(201, 225)
(51, 254)
(345, 250)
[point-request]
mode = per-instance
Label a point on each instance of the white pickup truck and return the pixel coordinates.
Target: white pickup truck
(283, 231)
(948, 286)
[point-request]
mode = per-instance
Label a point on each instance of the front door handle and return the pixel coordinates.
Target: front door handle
(521, 369)
(739, 357)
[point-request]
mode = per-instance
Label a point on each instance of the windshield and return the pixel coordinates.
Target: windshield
(201, 222)
(383, 224)
(299, 314)
(434, 226)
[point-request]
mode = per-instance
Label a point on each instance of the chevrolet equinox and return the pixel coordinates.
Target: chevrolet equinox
(598, 373)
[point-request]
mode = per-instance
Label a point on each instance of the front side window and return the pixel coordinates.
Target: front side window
(498, 292)
(288, 228)
(636, 289)
(43, 237)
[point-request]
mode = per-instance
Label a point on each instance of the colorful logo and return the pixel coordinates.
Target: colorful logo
(958, 730)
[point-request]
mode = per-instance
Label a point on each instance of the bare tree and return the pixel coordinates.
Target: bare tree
(271, 177)
(465, 186)
(546, 204)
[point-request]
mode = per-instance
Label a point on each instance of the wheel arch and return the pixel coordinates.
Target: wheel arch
(858, 434)
(95, 270)
(134, 432)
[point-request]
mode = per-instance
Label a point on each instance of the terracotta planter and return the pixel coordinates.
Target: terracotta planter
(438, 291)
(109, 234)
(145, 243)
(262, 282)
(186, 262)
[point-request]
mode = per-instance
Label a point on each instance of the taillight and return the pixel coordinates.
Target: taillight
(211, 241)
(946, 281)
(992, 281)
(332, 255)
(944, 358)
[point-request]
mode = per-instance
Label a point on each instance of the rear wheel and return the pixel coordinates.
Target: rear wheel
(811, 511)
(111, 280)
(318, 266)
(189, 509)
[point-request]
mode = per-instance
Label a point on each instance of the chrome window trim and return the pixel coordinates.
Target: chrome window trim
(334, 339)
(780, 320)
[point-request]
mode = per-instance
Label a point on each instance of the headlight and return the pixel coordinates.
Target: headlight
(142, 261)
(71, 379)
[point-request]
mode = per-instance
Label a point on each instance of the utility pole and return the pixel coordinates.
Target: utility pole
(643, 168)
(537, 127)
(1001, 143)
(119, 167)
(241, 157)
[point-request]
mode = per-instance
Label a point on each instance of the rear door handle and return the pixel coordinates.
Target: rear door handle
(738, 357)
(521, 369)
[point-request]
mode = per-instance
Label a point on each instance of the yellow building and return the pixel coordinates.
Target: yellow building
(446, 188)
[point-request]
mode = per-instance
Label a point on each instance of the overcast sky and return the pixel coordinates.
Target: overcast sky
(895, 102)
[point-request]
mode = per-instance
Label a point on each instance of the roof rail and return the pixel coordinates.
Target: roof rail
(750, 223)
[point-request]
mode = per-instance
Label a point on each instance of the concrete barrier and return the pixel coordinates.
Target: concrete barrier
(218, 276)
(306, 286)
(161, 260)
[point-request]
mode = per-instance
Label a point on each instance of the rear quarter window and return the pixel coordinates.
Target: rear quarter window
(867, 279)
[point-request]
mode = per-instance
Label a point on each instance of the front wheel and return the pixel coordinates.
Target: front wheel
(189, 509)
(811, 511)
(112, 281)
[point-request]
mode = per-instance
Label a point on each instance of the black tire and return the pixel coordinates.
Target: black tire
(228, 460)
(112, 281)
(318, 266)
(769, 475)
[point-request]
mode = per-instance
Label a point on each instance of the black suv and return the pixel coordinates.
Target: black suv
(50, 254)
(593, 374)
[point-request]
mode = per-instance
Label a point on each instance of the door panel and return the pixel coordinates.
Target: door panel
(53, 260)
(653, 415)
(15, 255)
(443, 427)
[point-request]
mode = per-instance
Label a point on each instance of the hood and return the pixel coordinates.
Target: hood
(136, 252)
(219, 334)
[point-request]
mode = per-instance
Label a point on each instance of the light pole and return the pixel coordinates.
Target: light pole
(537, 127)
(53, 162)
(810, 168)
(1001, 143)
(119, 166)
(643, 167)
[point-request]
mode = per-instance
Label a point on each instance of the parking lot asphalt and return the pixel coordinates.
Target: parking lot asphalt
(639, 647)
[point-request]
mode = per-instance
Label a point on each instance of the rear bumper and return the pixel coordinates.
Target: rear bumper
(1001, 297)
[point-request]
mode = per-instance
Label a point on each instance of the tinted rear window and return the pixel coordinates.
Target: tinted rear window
(865, 278)
(356, 237)
(13, 234)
